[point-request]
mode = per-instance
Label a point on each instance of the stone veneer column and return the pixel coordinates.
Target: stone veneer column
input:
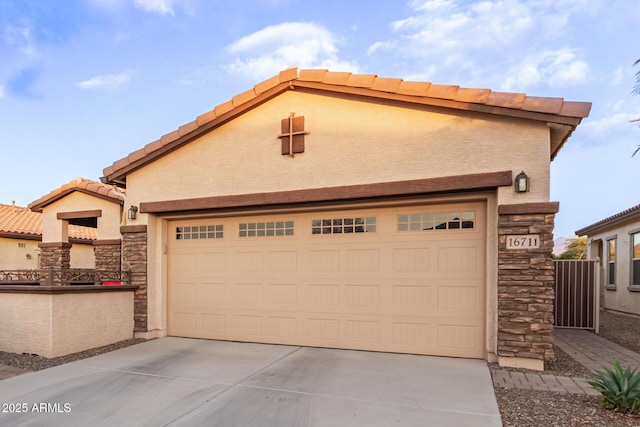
(525, 286)
(108, 254)
(55, 254)
(134, 260)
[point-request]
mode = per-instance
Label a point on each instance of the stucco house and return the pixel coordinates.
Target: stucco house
(615, 242)
(350, 211)
(21, 234)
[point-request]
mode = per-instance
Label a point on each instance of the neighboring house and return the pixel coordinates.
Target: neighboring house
(615, 241)
(21, 233)
(350, 211)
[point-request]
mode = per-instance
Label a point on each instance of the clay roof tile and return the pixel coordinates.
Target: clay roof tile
(336, 78)
(443, 91)
(361, 80)
(312, 75)
(206, 117)
(243, 97)
(386, 84)
(188, 127)
(542, 105)
(413, 88)
(476, 96)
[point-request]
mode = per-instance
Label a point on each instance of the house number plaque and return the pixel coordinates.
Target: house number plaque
(523, 241)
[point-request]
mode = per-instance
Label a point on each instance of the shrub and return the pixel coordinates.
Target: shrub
(620, 388)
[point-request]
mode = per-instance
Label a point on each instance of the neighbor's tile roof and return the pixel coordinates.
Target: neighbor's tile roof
(563, 116)
(19, 222)
(87, 186)
(625, 215)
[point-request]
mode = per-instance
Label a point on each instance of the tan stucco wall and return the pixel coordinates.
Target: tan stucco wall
(350, 142)
(14, 257)
(53, 229)
(55, 325)
(621, 298)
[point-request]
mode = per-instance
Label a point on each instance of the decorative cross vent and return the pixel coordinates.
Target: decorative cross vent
(292, 135)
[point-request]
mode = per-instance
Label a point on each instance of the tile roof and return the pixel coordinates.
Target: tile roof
(631, 213)
(19, 222)
(561, 116)
(93, 188)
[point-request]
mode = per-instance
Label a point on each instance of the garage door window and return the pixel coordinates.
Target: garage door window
(200, 232)
(344, 225)
(266, 229)
(436, 221)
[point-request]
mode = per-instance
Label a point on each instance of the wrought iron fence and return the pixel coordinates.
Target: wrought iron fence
(64, 277)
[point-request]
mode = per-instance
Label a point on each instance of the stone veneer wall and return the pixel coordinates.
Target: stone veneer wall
(525, 283)
(55, 254)
(108, 254)
(134, 259)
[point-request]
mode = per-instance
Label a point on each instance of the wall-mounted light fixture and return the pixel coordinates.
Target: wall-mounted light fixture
(133, 210)
(521, 183)
(28, 256)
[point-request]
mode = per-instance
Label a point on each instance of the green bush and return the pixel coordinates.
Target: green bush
(620, 388)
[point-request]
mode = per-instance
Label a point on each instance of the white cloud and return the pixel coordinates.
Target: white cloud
(21, 36)
(555, 68)
(108, 82)
(274, 48)
(488, 41)
(163, 7)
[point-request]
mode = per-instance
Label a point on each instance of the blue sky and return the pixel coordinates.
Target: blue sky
(85, 82)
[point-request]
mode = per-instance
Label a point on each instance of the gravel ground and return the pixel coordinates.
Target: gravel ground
(519, 408)
(529, 408)
(33, 362)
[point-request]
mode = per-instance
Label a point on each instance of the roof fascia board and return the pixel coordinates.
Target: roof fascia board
(613, 221)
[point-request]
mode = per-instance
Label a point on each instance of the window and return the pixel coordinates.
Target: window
(436, 221)
(348, 225)
(266, 229)
(635, 259)
(199, 232)
(611, 263)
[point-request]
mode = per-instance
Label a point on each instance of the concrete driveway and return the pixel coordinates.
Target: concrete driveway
(190, 382)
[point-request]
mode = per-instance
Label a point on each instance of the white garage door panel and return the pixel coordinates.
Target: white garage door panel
(388, 290)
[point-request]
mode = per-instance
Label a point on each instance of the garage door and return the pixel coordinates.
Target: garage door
(405, 279)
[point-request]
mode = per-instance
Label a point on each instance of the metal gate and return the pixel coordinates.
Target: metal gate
(576, 290)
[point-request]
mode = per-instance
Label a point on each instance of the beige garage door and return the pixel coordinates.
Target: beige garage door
(404, 279)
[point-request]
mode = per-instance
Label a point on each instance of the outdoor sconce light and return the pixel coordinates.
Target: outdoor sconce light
(28, 256)
(133, 210)
(521, 183)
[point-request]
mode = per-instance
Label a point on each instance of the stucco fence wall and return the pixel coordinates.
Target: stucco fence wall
(53, 323)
